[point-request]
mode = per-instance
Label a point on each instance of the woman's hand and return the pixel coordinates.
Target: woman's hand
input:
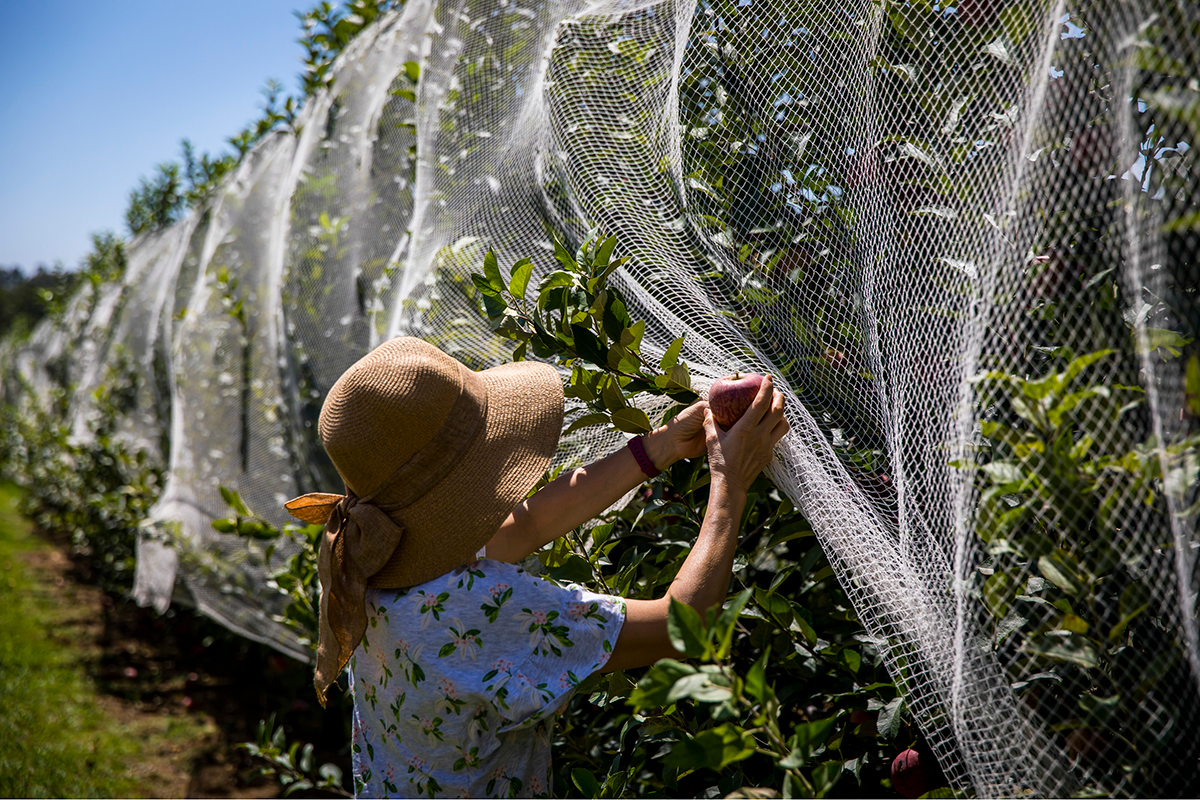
(682, 437)
(702, 582)
(738, 455)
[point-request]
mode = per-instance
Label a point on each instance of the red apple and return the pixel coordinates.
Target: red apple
(1088, 745)
(834, 358)
(977, 13)
(864, 169)
(910, 777)
(797, 260)
(729, 397)
(1093, 151)
(1054, 274)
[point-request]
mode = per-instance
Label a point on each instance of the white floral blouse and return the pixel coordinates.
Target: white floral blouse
(457, 680)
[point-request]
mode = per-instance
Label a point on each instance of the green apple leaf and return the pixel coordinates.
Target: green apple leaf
(631, 420)
(518, 280)
(671, 356)
(685, 629)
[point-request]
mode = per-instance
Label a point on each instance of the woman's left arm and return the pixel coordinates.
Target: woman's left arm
(581, 494)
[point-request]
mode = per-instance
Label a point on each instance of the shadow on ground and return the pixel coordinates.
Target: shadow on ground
(191, 690)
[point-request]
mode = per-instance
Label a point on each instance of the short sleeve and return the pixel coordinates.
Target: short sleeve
(570, 633)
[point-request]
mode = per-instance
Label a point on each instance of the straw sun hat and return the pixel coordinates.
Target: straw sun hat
(434, 457)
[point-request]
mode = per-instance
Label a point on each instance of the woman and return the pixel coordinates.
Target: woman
(458, 658)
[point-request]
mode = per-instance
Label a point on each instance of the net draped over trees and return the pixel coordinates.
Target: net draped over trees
(963, 239)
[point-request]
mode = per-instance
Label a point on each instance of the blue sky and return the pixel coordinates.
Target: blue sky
(96, 93)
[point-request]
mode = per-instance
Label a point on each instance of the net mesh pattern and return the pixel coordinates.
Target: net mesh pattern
(881, 204)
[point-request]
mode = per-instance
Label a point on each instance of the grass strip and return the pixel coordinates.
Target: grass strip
(57, 740)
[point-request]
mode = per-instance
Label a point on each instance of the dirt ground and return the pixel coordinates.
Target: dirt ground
(189, 690)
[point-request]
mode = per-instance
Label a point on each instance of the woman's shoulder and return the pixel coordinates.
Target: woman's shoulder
(485, 595)
(480, 587)
(483, 575)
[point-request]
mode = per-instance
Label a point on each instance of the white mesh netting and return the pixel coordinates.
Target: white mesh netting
(877, 202)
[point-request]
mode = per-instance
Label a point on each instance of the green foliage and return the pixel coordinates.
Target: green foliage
(157, 202)
(1076, 489)
(582, 321)
(276, 109)
(92, 487)
(25, 300)
(292, 764)
(296, 577)
(106, 263)
(1076, 607)
(1074, 486)
(91, 484)
(202, 172)
(777, 671)
(769, 170)
(328, 28)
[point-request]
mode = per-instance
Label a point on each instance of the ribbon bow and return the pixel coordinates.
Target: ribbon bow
(359, 540)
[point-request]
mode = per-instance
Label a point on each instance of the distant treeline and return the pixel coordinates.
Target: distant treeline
(25, 299)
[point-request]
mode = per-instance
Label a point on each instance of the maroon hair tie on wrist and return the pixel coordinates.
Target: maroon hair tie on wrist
(643, 460)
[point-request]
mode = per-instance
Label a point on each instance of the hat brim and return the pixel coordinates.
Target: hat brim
(446, 527)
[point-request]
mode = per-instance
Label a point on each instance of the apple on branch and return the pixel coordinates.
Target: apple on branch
(910, 777)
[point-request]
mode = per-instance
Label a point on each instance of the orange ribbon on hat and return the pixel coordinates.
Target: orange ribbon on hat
(358, 541)
(361, 536)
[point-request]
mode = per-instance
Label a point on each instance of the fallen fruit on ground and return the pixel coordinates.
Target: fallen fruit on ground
(729, 397)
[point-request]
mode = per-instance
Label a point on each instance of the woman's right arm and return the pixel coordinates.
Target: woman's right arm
(735, 459)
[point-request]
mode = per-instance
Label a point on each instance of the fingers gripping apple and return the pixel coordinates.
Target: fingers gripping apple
(729, 397)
